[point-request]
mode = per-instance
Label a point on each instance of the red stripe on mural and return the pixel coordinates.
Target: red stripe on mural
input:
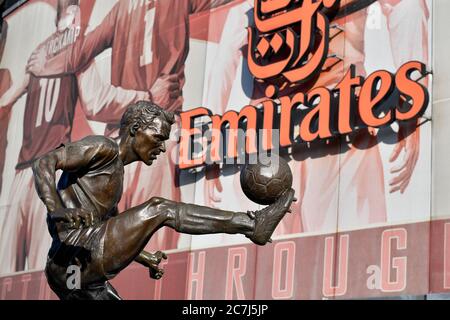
(378, 262)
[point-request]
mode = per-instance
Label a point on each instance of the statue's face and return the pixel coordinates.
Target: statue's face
(150, 142)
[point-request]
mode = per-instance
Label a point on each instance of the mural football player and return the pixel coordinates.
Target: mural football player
(48, 118)
(83, 217)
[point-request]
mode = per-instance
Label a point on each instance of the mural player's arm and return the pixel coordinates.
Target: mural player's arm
(84, 50)
(76, 58)
(5, 115)
(203, 5)
(15, 92)
(102, 101)
(408, 29)
(227, 59)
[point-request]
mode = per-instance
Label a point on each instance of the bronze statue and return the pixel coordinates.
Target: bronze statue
(84, 221)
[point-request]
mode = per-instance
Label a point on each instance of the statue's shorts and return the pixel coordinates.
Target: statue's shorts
(74, 266)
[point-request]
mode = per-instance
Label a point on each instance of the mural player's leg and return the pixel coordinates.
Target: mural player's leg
(128, 233)
(38, 239)
(12, 255)
(361, 183)
(292, 223)
(320, 196)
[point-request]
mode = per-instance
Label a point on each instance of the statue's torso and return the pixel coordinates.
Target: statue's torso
(97, 189)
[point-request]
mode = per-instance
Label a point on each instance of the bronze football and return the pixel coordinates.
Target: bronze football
(265, 181)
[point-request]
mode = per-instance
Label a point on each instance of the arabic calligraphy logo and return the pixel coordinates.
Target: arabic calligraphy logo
(290, 39)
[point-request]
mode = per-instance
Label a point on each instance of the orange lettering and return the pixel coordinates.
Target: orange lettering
(416, 91)
(372, 97)
(233, 119)
(187, 131)
(347, 99)
(287, 106)
(322, 111)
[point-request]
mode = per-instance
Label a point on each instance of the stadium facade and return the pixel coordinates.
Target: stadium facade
(366, 138)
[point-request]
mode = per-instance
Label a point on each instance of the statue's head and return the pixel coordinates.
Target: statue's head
(146, 127)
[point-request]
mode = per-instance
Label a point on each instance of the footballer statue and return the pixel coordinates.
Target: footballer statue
(89, 232)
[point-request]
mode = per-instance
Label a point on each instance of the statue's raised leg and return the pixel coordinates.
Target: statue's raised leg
(128, 233)
(102, 251)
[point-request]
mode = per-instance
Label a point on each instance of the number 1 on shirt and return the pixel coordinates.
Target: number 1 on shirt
(147, 54)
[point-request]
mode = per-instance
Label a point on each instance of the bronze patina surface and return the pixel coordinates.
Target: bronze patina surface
(84, 221)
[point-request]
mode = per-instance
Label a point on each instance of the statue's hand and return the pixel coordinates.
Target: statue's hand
(155, 271)
(152, 260)
(75, 218)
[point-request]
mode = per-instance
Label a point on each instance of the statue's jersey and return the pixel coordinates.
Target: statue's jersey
(92, 176)
(49, 108)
